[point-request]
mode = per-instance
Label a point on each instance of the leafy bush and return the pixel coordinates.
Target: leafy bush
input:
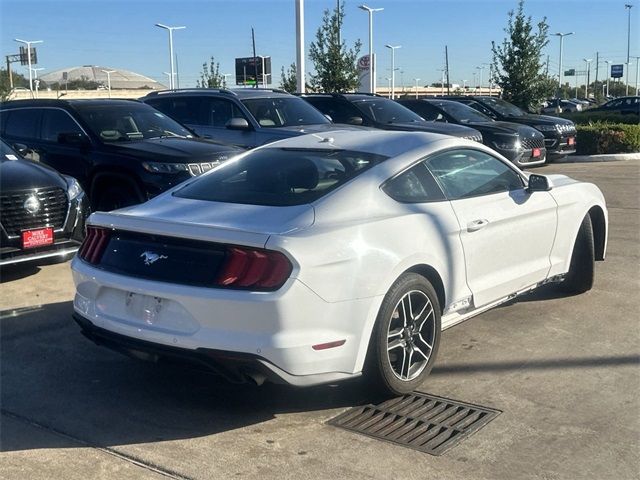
(608, 138)
(586, 117)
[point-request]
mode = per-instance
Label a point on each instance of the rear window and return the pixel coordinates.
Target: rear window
(280, 176)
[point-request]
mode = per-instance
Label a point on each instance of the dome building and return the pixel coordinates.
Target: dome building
(120, 79)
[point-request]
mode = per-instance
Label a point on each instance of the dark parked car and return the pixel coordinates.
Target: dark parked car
(247, 117)
(121, 151)
(521, 144)
(623, 105)
(380, 112)
(559, 133)
(42, 212)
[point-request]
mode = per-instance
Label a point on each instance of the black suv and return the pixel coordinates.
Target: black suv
(521, 144)
(42, 213)
(247, 117)
(380, 112)
(121, 151)
(559, 133)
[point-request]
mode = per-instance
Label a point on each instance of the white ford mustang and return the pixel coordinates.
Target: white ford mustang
(319, 258)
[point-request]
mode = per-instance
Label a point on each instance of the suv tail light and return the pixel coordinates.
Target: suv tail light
(94, 244)
(248, 267)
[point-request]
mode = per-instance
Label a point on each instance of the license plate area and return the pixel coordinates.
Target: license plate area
(571, 141)
(37, 237)
(144, 308)
(535, 153)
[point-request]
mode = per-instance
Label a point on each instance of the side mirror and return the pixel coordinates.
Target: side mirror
(21, 148)
(73, 138)
(237, 123)
(538, 183)
(355, 121)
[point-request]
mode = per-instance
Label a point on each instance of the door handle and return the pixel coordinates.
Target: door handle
(476, 225)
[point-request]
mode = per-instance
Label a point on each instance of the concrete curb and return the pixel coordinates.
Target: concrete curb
(614, 157)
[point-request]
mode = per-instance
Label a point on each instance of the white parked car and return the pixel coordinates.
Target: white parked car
(322, 257)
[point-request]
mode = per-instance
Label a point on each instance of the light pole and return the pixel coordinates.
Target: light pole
(300, 72)
(171, 58)
(628, 7)
(372, 70)
(108, 72)
(388, 79)
(608, 62)
(28, 44)
(416, 80)
(464, 85)
(481, 68)
(442, 81)
(561, 35)
(35, 78)
(587, 62)
(475, 85)
(264, 76)
(637, 73)
(224, 81)
(393, 69)
(168, 74)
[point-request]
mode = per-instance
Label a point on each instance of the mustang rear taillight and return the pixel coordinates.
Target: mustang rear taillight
(94, 244)
(253, 268)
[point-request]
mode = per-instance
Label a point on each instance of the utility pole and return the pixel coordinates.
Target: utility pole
(628, 7)
(300, 73)
(255, 59)
(446, 58)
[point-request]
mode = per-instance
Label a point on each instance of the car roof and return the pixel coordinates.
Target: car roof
(65, 102)
(347, 96)
(381, 142)
(240, 93)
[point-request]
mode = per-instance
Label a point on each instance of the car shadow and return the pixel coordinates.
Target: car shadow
(55, 379)
(10, 273)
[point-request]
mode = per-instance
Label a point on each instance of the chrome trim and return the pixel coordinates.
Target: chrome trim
(29, 258)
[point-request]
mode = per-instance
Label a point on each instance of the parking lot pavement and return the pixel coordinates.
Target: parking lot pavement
(563, 371)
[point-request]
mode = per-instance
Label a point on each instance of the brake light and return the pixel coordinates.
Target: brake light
(248, 267)
(94, 244)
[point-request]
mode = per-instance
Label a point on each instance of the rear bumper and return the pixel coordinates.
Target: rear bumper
(275, 330)
(235, 367)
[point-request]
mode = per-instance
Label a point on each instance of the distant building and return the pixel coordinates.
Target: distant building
(120, 79)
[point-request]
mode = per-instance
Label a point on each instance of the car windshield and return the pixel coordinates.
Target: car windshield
(280, 176)
(6, 151)
(387, 111)
(135, 121)
(503, 108)
(284, 112)
(462, 113)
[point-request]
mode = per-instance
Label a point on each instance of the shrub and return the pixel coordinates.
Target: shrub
(586, 117)
(608, 138)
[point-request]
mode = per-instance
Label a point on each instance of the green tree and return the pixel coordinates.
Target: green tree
(210, 76)
(5, 86)
(289, 79)
(335, 64)
(517, 63)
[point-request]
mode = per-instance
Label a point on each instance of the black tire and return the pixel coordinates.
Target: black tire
(581, 273)
(382, 366)
(113, 197)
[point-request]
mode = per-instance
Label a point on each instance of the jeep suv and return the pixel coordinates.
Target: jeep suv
(247, 117)
(559, 133)
(122, 152)
(380, 112)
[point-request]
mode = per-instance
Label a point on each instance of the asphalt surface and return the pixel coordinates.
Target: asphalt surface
(563, 371)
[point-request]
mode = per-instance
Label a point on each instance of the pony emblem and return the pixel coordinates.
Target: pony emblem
(151, 257)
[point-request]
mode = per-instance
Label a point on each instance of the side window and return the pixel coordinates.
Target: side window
(426, 111)
(470, 173)
(218, 112)
(55, 122)
(22, 123)
(481, 108)
(415, 185)
(185, 110)
(340, 112)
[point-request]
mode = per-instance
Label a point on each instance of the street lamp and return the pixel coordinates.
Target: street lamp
(224, 81)
(264, 83)
(561, 35)
(35, 78)
(475, 85)
(442, 81)
(416, 80)
(393, 69)
(628, 7)
(637, 72)
(481, 68)
(388, 79)
(28, 44)
(587, 62)
(372, 70)
(608, 62)
(108, 72)
(464, 85)
(171, 58)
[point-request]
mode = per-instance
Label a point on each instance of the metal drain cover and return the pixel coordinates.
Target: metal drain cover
(423, 422)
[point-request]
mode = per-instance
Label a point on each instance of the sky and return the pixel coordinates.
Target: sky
(121, 33)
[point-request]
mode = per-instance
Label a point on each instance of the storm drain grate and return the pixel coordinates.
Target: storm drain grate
(423, 422)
